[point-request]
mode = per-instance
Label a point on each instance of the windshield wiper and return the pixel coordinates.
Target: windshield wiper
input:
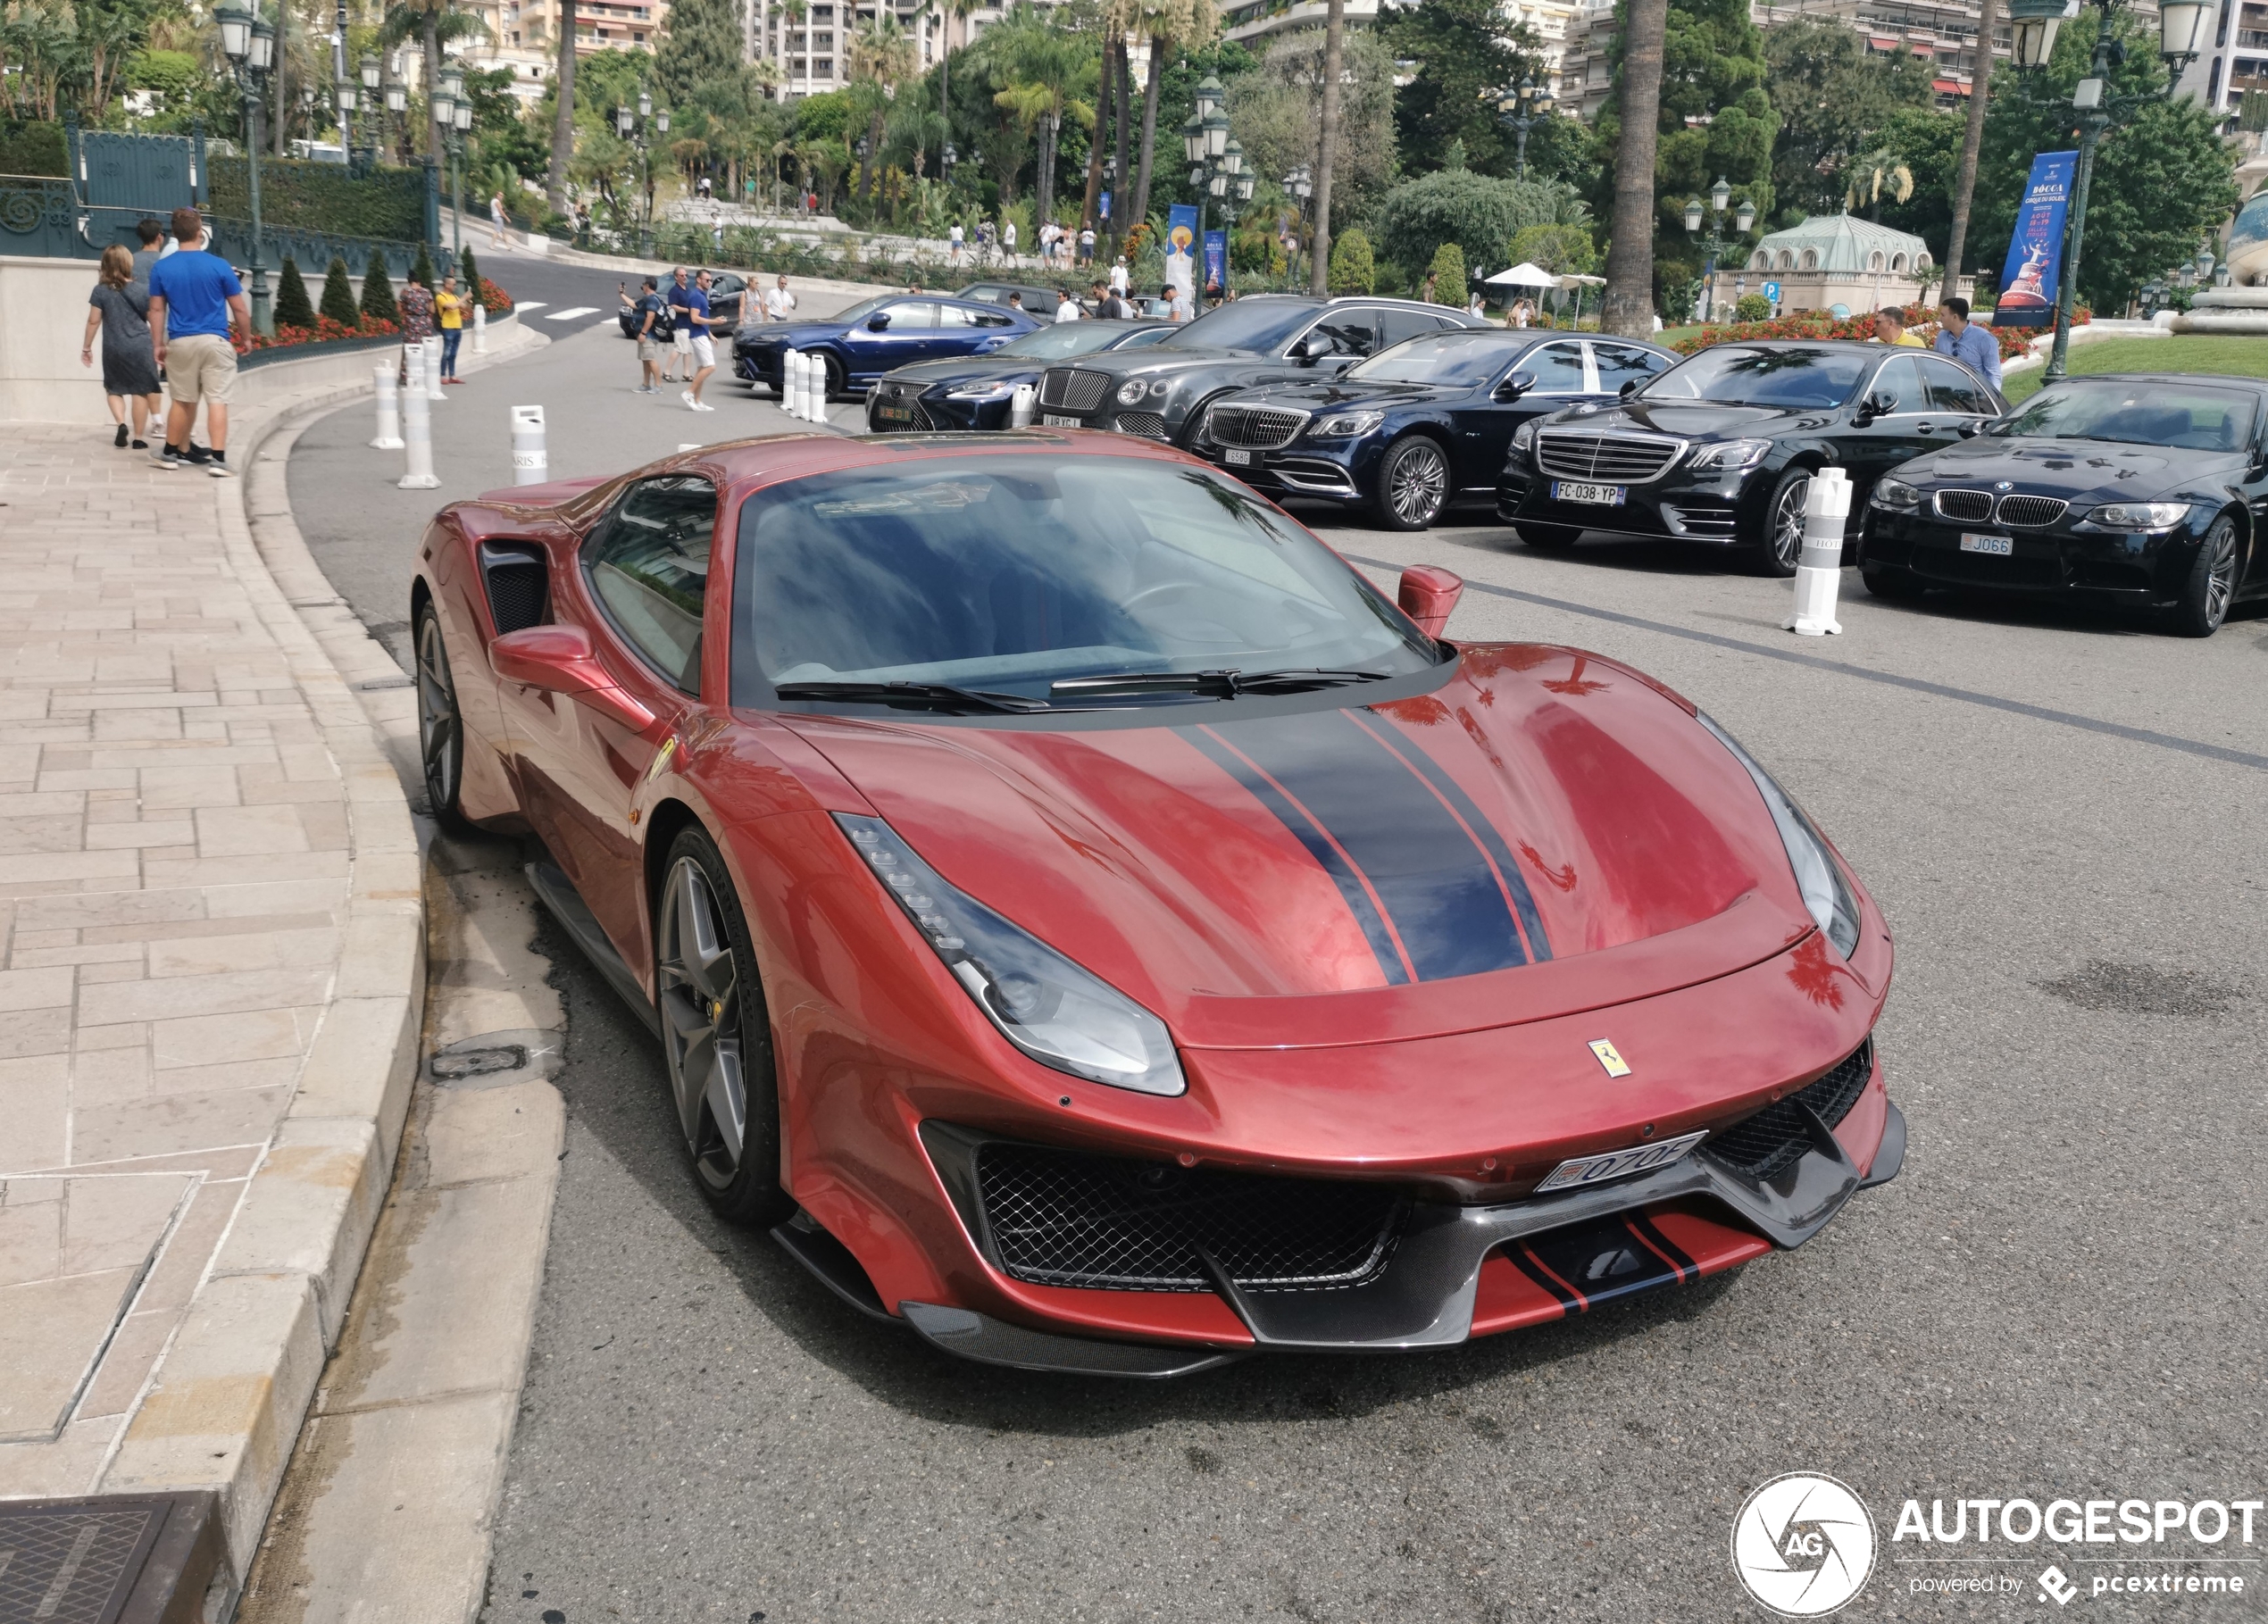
(934, 695)
(1211, 685)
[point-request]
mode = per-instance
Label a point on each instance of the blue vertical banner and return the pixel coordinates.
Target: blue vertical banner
(1105, 200)
(1180, 247)
(1216, 259)
(2036, 251)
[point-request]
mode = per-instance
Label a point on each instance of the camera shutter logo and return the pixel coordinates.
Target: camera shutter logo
(1803, 1545)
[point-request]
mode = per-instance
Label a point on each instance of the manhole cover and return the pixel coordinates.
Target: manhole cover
(112, 1560)
(495, 1060)
(455, 1065)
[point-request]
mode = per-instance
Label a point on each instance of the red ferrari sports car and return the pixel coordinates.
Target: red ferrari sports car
(1095, 928)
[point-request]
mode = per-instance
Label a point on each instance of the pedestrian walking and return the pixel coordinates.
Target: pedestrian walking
(1016, 300)
(497, 220)
(1890, 329)
(695, 311)
(448, 312)
(652, 316)
(1970, 344)
(953, 245)
(153, 237)
(199, 324)
(1087, 243)
(680, 327)
(1177, 302)
(415, 305)
(1120, 280)
(1008, 239)
(1476, 308)
(778, 301)
(130, 370)
(1068, 309)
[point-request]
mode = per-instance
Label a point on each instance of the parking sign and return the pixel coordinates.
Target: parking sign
(1772, 292)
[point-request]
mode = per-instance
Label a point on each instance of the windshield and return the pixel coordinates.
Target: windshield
(1248, 324)
(1728, 375)
(1006, 574)
(864, 308)
(1448, 358)
(1065, 338)
(2185, 416)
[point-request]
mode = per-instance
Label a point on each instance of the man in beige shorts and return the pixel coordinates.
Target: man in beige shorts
(199, 324)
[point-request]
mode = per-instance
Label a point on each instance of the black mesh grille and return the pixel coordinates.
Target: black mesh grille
(516, 594)
(1768, 1144)
(1968, 506)
(2031, 511)
(1149, 424)
(1260, 427)
(1063, 1218)
(1072, 390)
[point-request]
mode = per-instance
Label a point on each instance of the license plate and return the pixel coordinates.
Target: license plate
(1618, 1164)
(1054, 421)
(1238, 459)
(894, 414)
(1573, 490)
(1999, 547)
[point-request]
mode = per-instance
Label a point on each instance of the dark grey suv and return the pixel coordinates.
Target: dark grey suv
(1161, 392)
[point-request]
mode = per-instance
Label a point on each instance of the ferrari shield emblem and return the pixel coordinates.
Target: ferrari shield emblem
(1608, 1057)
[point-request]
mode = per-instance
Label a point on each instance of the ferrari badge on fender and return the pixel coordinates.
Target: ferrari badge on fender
(1608, 1057)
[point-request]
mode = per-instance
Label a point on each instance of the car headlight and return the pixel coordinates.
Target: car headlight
(1896, 494)
(1827, 895)
(1524, 438)
(981, 391)
(1730, 454)
(1055, 1012)
(2140, 515)
(1346, 425)
(1131, 392)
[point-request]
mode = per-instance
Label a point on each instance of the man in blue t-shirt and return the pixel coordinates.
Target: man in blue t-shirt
(1975, 348)
(197, 310)
(694, 311)
(680, 327)
(650, 323)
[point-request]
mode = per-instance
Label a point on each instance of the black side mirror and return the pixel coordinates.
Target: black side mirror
(1629, 386)
(877, 323)
(1872, 407)
(1302, 351)
(1515, 386)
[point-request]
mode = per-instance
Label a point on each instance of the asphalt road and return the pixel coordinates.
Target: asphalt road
(2063, 819)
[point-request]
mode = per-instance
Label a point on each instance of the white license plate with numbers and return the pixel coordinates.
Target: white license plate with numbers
(1238, 459)
(1054, 421)
(1599, 495)
(1999, 547)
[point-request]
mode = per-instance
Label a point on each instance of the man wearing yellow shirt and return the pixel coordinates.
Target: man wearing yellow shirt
(1890, 327)
(448, 309)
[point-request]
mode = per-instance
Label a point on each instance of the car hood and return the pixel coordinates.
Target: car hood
(1145, 364)
(793, 333)
(2086, 472)
(1543, 833)
(1704, 421)
(1324, 395)
(963, 368)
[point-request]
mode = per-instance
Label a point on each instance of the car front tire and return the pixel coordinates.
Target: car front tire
(440, 725)
(1412, 484)
(2212, 582)
(1784, 525)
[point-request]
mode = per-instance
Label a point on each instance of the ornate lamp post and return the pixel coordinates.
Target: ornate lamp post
(250, 46)
(2182, 25)
(639, 131)
(1519, 110)
(1300, 185)
(454, 132)
(1720, 194)
(1205, 139)
(373, 125)
(398, 98)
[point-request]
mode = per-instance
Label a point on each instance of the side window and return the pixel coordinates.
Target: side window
(985, 318)
(1619, 364)
(1951, 389)
(1899, 382)
(911, 315)
(1396, 325)
(1558, 368)
(649, 566)
(1346, 332)
(956, 315)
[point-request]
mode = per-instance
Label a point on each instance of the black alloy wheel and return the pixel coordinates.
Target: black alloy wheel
(716, 1035)
(1412, 484)
(1551, 537)
(2211, 583)
(1784, 524)
(440, 727)
(838, 379)
(1897, 586)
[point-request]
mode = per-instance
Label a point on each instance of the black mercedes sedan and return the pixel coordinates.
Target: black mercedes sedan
(975, 391)
(1417, 428)
(1161, 392)
(1720, 448)
(2141, 489)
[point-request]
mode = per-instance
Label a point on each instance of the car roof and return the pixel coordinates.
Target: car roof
(2258, 385)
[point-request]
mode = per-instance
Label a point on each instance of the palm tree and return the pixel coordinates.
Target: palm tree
(563, 123)
(796, 14)
(432, 23)
(881, 54)
(1964, 182)
(948, 10)
(1166, 22)
(1872, 175)
(1628, 307)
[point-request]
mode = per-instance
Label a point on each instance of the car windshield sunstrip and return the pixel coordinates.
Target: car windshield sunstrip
(995, 579)
(1728, 375)
(2187, 416)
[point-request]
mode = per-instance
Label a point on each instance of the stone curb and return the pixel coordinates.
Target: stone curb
(227, 1400)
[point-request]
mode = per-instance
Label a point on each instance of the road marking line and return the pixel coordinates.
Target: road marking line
(528, 305)
(569, 314)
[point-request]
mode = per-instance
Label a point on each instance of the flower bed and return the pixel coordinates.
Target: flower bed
(324, 331)
(1920, 321)
(494, 299)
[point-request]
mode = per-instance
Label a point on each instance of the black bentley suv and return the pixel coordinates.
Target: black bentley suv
(1161, 392)
(1720, 448)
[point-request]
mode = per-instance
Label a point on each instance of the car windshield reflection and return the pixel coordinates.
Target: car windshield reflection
(1448, 358)
(1248, 324)
(1010, 573)
(2180, 416)
(1063, 339)
(1731, 375)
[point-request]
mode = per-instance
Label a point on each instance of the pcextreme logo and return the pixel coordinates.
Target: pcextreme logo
(1803, 1545)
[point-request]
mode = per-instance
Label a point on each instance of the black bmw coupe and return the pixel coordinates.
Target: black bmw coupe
(1419, 426)
(2138, 489)
(1720, 448)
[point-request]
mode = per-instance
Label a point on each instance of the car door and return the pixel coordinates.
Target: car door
(1897, 406)
(1563, 378)
(1341, 336)
(639, 589)
(1396, 324)
(907, 331)
(1620, 364)
(1954, 399)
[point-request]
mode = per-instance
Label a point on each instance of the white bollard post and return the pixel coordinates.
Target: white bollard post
(433, 369)
(799, 402)
(480, 328)
(389, 409)
(417, 432)
(1819, 568)
(1020, 406)
(530, 461)
(816, 389)
(789, 380)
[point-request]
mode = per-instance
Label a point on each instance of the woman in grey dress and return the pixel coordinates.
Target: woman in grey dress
(129, 368)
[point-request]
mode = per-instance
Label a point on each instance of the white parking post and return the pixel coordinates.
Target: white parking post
(417, 431)
(1819, 568)
(433, 369)
(479, 328)
(1020, 406)
(788, 382)
(799, 403)
(389, 409)
(530, 461)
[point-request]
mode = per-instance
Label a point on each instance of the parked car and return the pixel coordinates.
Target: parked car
(1040, 302)
(727, 290)
(943, 395)
(2138, 489)
(1096, 930)
(1417, 428)
(1720, 448)
(876, 336)
(1160, 393)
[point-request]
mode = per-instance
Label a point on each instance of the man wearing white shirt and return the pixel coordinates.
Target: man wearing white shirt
(1068, 310)
(778, 301)
(1008, 239)
(1119, 279)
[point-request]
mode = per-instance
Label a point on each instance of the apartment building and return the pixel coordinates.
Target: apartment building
(1251, 22)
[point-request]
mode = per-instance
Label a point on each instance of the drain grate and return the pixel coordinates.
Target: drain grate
(113, 1559)
(455, 1065)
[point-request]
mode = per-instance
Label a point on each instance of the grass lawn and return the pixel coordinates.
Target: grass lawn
(2183, 352)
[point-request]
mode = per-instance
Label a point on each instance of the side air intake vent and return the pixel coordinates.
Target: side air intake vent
(519, 586)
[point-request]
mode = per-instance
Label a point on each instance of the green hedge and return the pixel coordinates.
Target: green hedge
(30, 147)
(390, 205)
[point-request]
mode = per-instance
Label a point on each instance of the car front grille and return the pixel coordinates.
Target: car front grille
(908, 397)
(1965, 507)
(1622, 458)
(1314, 474)
(1148, 425)
(2030, 513)
(1065, 1217)
(1768, 1144)
(1253, 428)
(1070, 390)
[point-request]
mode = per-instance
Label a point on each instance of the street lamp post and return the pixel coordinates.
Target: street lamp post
(1720, 195)
(639, 131)
(1205, 139)
(1519, 110)
(1300, 184)
(373, 124)
(2182, 29)
(250, 46)
(398, 99)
